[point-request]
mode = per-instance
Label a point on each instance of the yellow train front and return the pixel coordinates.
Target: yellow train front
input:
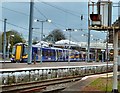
(19, 53)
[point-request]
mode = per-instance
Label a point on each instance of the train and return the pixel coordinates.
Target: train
(49, 54)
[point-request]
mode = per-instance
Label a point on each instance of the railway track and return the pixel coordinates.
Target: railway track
(57, 77)
(41, 86)
(40, 79)
(31, 87)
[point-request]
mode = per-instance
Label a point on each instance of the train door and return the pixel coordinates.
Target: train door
(35, 54)
(56, 57)
(64, 55)
(39, 54)
(53, 57)
(18, 53)
(44, 54)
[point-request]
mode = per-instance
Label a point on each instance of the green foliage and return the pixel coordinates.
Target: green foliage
(55, 35)
(12, 40)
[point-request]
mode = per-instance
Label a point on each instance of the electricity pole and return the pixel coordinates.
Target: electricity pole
(88, 47)
(4, 42)
(30, 33)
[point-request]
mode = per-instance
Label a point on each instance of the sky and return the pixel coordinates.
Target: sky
(63, 15)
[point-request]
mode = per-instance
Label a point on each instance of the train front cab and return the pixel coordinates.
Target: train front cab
(19, 53)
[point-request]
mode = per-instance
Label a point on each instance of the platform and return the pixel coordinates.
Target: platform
(47, 64)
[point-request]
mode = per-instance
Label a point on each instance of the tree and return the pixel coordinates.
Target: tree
(55, 35)
(12, 40)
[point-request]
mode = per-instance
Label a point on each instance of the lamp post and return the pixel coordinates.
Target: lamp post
(42, 21)
(70, 30)
(97, 39)
(9, 37)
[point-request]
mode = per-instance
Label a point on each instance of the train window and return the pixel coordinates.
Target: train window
(25, 50)
(38, 52)
(52, 53)
(59, 53)
(44, 52)
(49, 53)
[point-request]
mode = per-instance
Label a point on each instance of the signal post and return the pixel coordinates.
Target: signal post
(101, 21)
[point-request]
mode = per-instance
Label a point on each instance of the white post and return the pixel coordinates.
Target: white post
(115, 64)
(69, 46)
(8, 45)
(41, 41)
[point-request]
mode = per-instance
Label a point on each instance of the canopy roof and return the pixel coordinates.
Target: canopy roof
(65, 42)
(44, 44)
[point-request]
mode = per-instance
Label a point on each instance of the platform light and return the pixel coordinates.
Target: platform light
(42, 21)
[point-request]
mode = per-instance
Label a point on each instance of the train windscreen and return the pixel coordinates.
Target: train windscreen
(25, 50)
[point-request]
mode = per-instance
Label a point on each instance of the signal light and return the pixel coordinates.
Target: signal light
(95, 17)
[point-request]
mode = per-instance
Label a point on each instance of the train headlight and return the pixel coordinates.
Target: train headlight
(13, 56)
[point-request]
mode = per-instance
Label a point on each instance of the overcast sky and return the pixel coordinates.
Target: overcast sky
(63, 15)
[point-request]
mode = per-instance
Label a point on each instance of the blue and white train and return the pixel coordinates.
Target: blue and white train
(51, 54)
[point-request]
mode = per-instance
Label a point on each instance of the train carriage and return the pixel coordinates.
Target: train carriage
(20, 54)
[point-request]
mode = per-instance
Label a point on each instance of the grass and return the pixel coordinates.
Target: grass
(101, 83)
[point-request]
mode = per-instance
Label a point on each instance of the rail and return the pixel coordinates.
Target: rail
(18, 77)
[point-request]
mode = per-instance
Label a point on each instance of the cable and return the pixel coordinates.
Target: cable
(64, 10)
(40, 12)
(38, 31)
(46, 17)
(59, 24)
(54, 22)
(60, 9)
(14, 25)
(17, 12)
(55, 25)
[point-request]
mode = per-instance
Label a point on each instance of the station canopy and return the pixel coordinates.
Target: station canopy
(44, 44)
(66, 42)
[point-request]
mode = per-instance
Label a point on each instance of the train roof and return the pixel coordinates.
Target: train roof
(47, 47)
(20, 44)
